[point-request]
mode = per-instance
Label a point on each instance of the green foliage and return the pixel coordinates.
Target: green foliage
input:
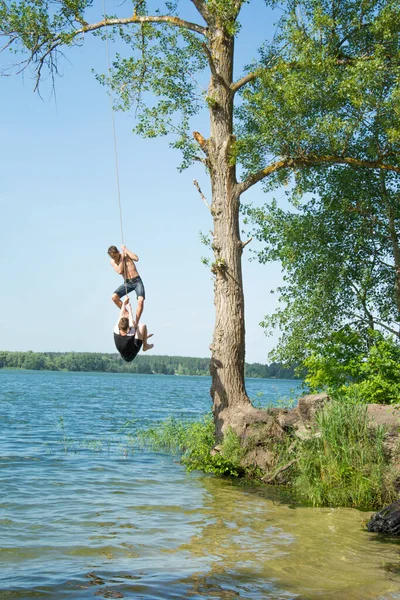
(334, 361)
(211, 101)
(155, 72)
(380, 374)
(325, 84)
(195, 441)
(158, 79)
(337, 251)
(272, 371)
(218, 265)
(112, 363)
(329, 86)
(34, 23)
(206, 241)
(226, 12)
(67, 442)
(372, 374)
(344, 463)
(338, 254)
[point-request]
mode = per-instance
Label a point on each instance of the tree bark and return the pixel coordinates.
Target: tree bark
(230, 401)
(394, 239)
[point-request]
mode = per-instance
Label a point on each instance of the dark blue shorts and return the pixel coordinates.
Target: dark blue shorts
(130, 285)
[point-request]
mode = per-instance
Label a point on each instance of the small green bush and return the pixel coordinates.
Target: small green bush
(380, 374)
(195, 441)
(342, 365)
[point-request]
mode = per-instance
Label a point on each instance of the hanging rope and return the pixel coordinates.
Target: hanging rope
(115, 143)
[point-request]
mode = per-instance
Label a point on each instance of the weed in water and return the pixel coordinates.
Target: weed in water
(257, 402)
(67, 443)
(286, 402)
(95, 445)
(195, 442)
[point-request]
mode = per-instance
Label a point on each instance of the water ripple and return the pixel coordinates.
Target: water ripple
(80, 517)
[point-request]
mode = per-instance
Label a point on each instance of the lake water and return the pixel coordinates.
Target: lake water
(81, 517)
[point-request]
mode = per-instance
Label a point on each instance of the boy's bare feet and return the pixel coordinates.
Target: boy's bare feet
(147, 346)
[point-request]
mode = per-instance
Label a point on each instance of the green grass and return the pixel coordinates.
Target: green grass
(344, 463)
(195, 441)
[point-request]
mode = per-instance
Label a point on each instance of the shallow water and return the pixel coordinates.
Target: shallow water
(81, 517)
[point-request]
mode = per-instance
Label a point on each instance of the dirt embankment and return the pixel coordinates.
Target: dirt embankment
(264, 434)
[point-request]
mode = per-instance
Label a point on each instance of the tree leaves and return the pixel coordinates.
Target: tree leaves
(338, 254)
(334, 77)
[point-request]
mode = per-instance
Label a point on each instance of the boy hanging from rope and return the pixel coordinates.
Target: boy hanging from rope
(124, 264)
(128, 338)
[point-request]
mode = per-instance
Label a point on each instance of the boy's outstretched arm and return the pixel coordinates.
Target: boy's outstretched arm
(124, 308)
(127, 306)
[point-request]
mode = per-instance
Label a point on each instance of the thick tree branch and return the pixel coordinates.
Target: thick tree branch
(238, 5)
(395, 332)
(144, 19)
(202, 9)
(246, 79)
(365, 321)
(235, 86)
(60, 39)
(312, 161)
(351, 33)
(210, 60)
(200, 159)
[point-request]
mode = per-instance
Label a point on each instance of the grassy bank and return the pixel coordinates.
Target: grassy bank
(194, 441)
(342, 463)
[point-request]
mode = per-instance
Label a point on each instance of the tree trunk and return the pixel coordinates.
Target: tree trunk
(393, 239)
(230, 401)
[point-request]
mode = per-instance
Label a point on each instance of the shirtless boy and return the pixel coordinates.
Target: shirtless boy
(124, 263)
(129, 339)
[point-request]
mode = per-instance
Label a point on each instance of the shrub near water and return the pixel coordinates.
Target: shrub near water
(344, 463)
(345, 364)
(195, 441)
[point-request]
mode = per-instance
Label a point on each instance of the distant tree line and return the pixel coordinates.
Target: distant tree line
(112, 363)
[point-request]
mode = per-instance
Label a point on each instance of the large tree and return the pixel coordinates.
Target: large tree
(340, 253)
(303, 102)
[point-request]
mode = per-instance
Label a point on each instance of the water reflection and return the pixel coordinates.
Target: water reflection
(312, 553)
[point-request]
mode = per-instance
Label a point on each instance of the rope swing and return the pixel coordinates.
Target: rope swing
(115, 142)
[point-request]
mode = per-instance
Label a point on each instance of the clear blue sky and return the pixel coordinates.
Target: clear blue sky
(59, 213)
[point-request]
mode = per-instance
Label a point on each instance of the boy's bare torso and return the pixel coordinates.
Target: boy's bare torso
(130, 271)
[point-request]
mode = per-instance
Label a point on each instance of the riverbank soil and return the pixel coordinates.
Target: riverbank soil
(271, 438)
